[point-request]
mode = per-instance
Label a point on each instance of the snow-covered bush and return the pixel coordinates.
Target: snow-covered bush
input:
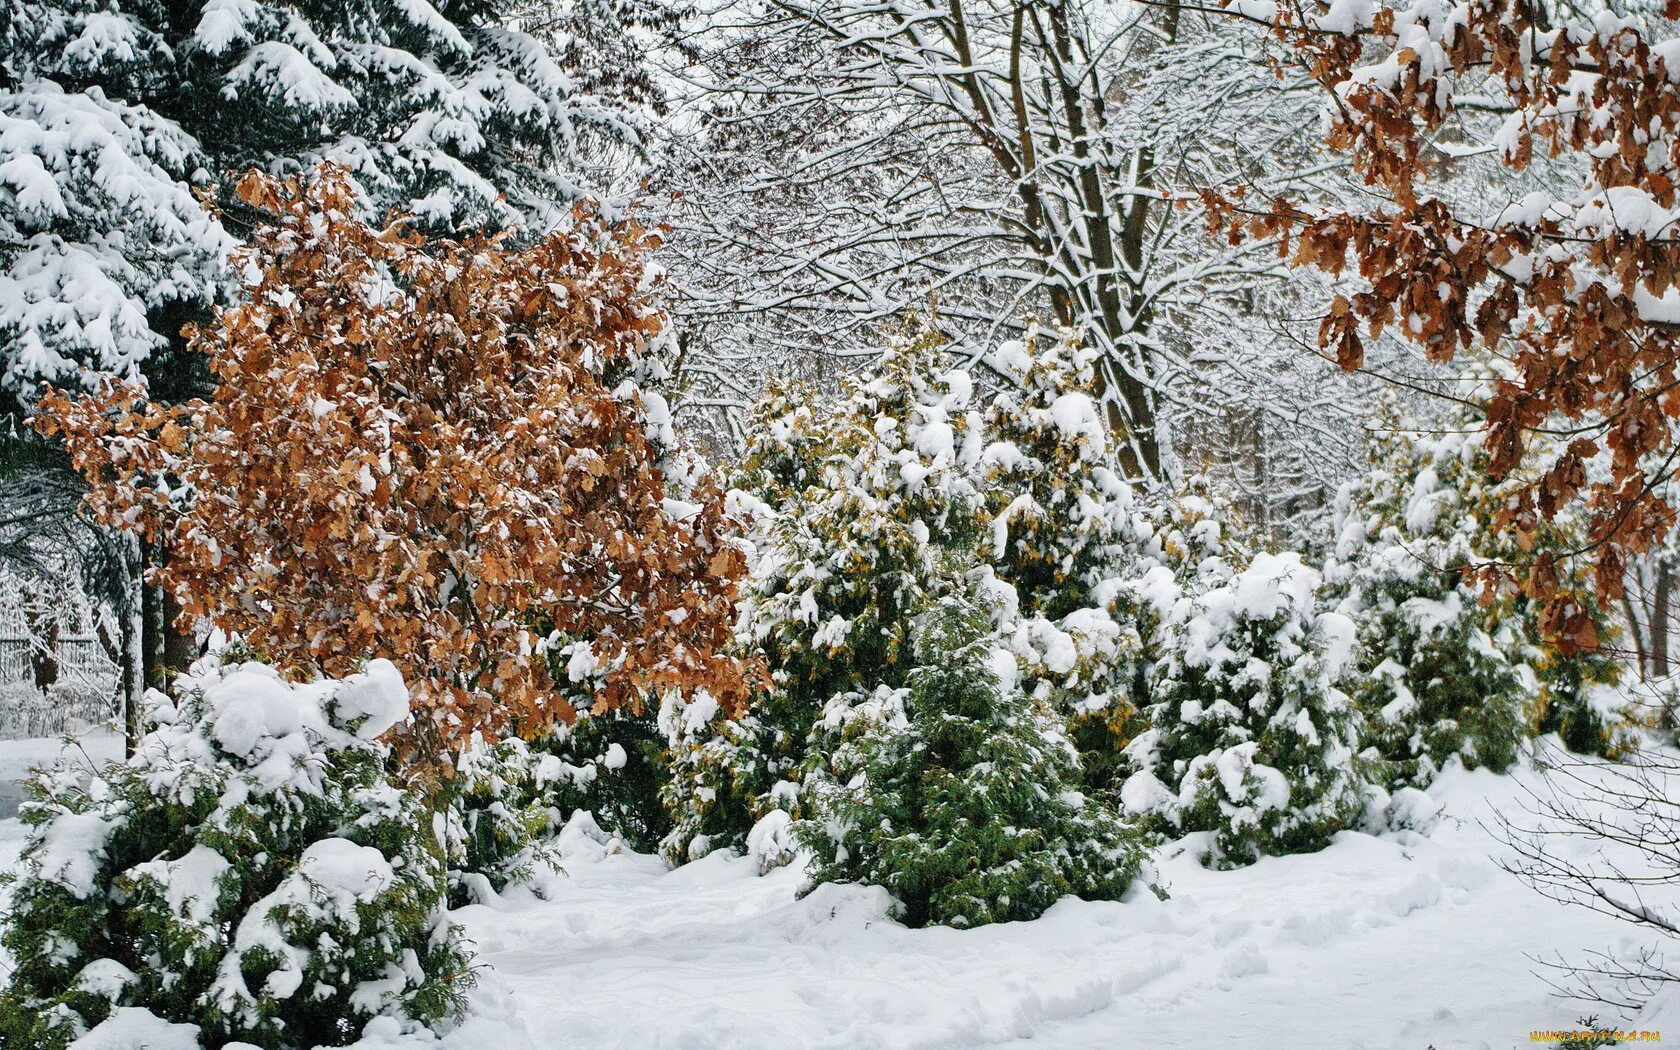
(960, 795)
(499, 821)
(1199, 533)
(1250, 738)
(1440, 675)
(1061, 520)
(724, 776)
(875, 508)
(866, 512)
(614, 766)
(507, 801)
(1446, 669)
(577, 530)
(1065, 534)
(251, 871)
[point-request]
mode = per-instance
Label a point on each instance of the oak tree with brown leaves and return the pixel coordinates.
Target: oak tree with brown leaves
(439, 452)
(1577, 293)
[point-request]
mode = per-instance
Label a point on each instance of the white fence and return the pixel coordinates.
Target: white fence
(56, 674)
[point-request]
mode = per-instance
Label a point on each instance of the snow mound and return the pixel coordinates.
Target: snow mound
(135, 1028)
(371, 702)
(274, 728)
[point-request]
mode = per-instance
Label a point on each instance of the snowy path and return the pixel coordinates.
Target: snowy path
(1372, 943)
(1405, 942)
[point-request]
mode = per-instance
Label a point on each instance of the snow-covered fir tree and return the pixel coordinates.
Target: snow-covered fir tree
(508, 800)
(1447, 668)
(1440, 675)
(112, 114)
(867, 511)
(251, 871)
(959, 794)
(1066, 533)
(1578, 698)
(1250, 739)
(499, 820)
(99, 233)
(615, 769)
(1199, 533)
(1063, 522)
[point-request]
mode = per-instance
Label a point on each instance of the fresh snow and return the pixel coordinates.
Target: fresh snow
(18, 757)
(1406, 940)
(135, 1029)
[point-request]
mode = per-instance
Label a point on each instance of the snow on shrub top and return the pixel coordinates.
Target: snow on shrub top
(268, 725)
(250, 874)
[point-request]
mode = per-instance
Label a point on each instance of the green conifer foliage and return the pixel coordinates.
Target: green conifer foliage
(507, 801)
(1250, 739)
(1066, 534)
(959, 795)
(251, 871)
(615, 768)
(1063, 522)
(1442, 675)
(864, 510)
(1447, 669)
(500, 820)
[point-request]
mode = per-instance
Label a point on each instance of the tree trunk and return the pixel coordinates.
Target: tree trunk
(152, 630)
(1131, 401)
(43, 630)
(180, 645)
(1659, 618)
(168, 649)
(133, 643)
(1637, 634)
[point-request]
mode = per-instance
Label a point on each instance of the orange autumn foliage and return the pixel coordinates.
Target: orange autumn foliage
(1576, 291)
(434, 452)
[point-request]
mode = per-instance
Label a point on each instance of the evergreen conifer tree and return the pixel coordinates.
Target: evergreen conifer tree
(1449, 668)
(508, 800)
(959, 794)
(1066, 533)
(251, 871)
(866, 510)
(1442, 675)
(1250, 739)
(112, 114)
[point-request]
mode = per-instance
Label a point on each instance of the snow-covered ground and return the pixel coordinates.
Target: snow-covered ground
(1405, 941)
(17, 757)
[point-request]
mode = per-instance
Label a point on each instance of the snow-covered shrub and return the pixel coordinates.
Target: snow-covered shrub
(1446, 669)
(1579, 700)
(960, 795)
(576, 531)
(723, 776)
(507, 801)
(499, 821)
(1061, 520)
(866, 512)
(614, 766)
(251, 871)
(1065, 534)
(1250, 738)
(1440, 675)
(1198, 532)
